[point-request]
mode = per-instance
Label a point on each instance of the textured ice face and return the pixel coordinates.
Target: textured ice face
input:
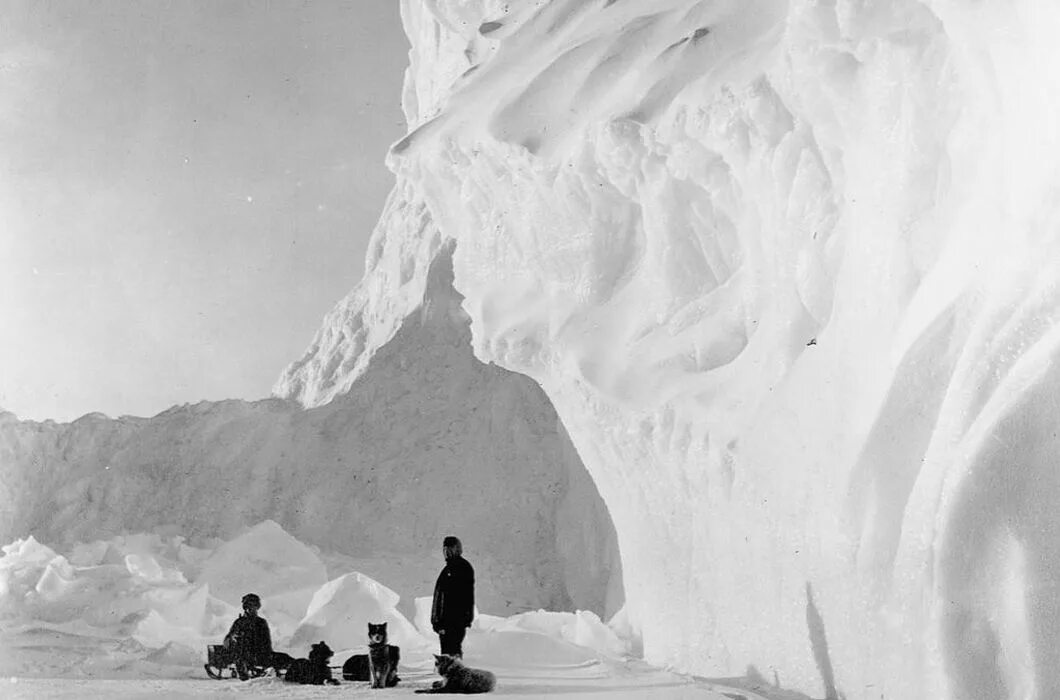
(788, 273)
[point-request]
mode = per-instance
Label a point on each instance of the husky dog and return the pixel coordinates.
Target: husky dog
(281, 662)
(357, 668)
(459, 678)
(379, 664)
(314, 670)
(382, 658)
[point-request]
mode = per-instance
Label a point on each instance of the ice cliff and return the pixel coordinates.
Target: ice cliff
(788, 272)
(428, 441)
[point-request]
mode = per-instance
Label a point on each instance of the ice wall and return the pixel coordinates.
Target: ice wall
(788, 271)
(427, 441)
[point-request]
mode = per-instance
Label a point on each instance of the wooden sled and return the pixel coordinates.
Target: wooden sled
(220, 664)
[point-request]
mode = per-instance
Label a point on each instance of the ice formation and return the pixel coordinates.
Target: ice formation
(427, 442)
(341, 610)
(139, 593)
(788, 272)
(100, 610)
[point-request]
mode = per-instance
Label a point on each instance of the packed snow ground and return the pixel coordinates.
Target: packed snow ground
(132, 616)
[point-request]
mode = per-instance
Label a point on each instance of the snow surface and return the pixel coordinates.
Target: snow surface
(788, 272)
(129, 617)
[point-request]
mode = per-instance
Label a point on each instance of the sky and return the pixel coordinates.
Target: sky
(186, 188)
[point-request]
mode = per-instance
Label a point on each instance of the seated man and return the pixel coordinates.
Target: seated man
(249, 642)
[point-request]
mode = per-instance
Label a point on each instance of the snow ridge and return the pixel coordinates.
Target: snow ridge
(428, 442)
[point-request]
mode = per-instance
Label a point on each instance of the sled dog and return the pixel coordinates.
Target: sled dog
(314, 670)
(459, 678)
(379, 665)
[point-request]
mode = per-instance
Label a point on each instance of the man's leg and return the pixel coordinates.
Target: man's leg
(443, 640)
(446, 639)
(453, 640)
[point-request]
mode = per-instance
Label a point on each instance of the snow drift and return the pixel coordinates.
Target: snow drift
(788, 273)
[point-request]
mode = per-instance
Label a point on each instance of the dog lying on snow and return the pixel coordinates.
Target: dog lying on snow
(459, 678)
(314, 670)
(281, 662)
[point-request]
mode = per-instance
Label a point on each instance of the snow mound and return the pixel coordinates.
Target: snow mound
(341, 610)
(263, 560)
(544, 638)
(267, 561)
(539, 638)
(143, 596)
(422, 616)
(20, 567)
(184, 614)
(515, 648)
(107, 620)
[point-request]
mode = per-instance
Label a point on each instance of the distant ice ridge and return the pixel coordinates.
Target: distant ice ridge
(788, 272)
(147, 606)
(428, 441)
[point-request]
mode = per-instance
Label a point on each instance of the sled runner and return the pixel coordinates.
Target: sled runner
(219, 662)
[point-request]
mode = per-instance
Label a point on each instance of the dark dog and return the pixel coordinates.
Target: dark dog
(379, 665)
(357, 668)
(382, 658)
(314, 670)
(281, 662)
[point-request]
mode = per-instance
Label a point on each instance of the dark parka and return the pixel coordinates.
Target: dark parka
(249, 638)
(454, 596)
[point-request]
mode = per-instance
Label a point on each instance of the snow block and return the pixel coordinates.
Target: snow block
(263, 560)
(341, 610)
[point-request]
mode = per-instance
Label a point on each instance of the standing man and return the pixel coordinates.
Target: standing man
(454, 598)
